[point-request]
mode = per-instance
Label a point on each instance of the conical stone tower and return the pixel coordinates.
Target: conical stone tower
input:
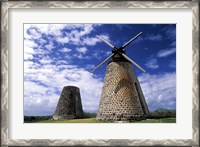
(122, 98)
(69, 105)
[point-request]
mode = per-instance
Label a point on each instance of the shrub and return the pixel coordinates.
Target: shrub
(29, 119)
(162, 113)
(89, 115)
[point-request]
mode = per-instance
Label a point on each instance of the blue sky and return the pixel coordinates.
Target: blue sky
(58, 55)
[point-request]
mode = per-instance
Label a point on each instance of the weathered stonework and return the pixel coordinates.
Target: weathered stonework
(69, 105)
(122, 98)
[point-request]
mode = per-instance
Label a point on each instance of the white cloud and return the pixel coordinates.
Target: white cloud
(65, 50)
(32, 87)
(90, 66)
(152, 37)
(172, 64)
(96, 55)
(159, 90)
(73, 26)
(55, 29)
(82, 50)
(87, 28)
(105, 37)
(149, 37)
(49, 46)
(34, 33)
(166, 52)
(62, 40)
(94, 40)
(29, 49)
(26, 27)
(152, 63)
(108, 53)
(90, 41)
(81, 56)
(45, 60)
(29, 65)
(38, 99)
(68, 57)
(61, 62)
(50, 81)
(101, 54)
(76, 34)
(44, 77)
(50, 29)
(35, 47)
(42, 41)
(170, 31)
(173, 44)
(28, 56)
(29, 43)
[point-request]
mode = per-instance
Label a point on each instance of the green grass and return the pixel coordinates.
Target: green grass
(160, 120)
(84, 120)
(93, 120)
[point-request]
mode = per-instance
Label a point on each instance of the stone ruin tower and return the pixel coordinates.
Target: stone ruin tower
(69, 105)
(122, 98)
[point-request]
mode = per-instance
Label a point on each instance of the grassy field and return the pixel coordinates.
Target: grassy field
(93, 120)
(160, 115)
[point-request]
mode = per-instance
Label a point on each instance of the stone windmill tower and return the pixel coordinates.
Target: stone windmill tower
(122, 98)
(69, 105)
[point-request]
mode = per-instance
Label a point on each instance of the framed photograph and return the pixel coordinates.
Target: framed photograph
(106, 73)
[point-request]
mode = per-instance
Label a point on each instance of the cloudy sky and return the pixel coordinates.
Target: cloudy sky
(58, 55)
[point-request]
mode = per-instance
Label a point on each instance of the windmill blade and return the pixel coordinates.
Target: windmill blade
(103, 62)
(131, 40)
(126, 57)
(106, 42)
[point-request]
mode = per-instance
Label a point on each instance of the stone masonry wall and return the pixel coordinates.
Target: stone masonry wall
(69, 105)
(120, 100)
(139, 89)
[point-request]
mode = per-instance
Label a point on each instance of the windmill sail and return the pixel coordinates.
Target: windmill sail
(133, 62)
(126, 44)
(103, 62)
(106, 42)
